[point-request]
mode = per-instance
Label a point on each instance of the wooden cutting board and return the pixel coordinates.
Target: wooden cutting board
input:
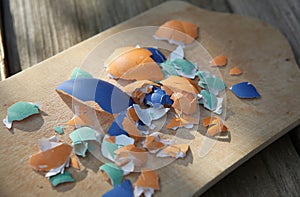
(257, 48)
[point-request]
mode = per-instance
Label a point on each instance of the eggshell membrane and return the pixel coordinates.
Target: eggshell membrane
(148, 178)
(179, 31)
(52, 158)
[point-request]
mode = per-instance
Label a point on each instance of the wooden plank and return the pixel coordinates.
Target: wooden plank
(51, 26)
(281, 14)
(3, 72)
(251, 122)
(279, 160)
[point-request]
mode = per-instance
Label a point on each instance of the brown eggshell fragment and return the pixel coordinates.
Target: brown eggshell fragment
(151, 143)
(52, 158)
(80, 120)
(185, 103)
(126, 60)
(219, 61)
(174, 150)
(132, 114)
(179, 84)
(235, 71)
(130, 127)
(148, 70)
(131, 150)
(177, 30)
(134, 86)
(148, 179)
(117, 53)
(132, 63)
(74, 162)
(215, 125)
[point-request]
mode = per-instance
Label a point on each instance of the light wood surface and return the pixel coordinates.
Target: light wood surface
(46, 87)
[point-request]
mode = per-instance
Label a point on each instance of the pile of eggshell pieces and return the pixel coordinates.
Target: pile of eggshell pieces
(159, 85)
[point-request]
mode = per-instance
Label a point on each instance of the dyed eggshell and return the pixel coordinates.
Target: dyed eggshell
(52, 158)
(133, 63)
(179, 31)
(179, 84)
(235, 71)
(220, 60)
(148, 178)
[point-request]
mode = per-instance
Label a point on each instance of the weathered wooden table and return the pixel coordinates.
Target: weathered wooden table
(35, 30)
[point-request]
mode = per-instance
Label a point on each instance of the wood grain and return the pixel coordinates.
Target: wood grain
(46, 27)
(272, 172)
(52, 26)
(283, 15)
(38, 81)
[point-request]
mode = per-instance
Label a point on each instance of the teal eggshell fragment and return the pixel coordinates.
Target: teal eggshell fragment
(21, 110)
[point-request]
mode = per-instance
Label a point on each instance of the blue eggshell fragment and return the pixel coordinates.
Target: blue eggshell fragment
(245, 90)
(109, 97)
(125, 189)
(116, 127)
(157, 56)
(157, 98)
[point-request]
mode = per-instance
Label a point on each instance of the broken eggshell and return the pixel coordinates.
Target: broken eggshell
(19, 111)
(245, 90)
(109, 97)
(133, 64)
(177, 32)
(125, 189)
(51, 158)
(113, 172)
(157, 56)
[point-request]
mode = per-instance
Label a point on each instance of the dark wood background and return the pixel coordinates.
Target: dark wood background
(34, 30)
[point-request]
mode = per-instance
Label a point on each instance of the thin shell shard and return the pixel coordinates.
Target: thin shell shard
(133, 64)
(235, 71)
(219, 61)
(52, 158)
(177, 31)
(215, 125)
(179, 84)
(19, 111)
(148, 179)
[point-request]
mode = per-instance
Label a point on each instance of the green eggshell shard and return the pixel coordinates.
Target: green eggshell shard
(111, 148)
(59, 129)
(61, 178)
(81, 148)
(186, 67)
(215, 84)
(82, 134)
(168, 68)
(21, 110)
(79, 73)
(114, 172)
(209, 98)
(203, 75)
(81, 138)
